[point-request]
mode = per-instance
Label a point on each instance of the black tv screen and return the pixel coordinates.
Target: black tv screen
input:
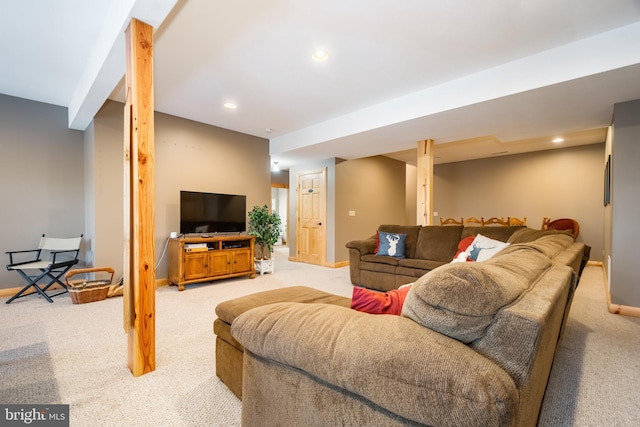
(206, 213)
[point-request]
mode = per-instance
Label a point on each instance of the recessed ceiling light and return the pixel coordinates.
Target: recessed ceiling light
(557, 140)
(320, 55)
(230, 105)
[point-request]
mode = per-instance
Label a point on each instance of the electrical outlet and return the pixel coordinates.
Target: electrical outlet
(352, 213)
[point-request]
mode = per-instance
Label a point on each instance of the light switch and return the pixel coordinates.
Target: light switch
(435, 214)
(352, 213)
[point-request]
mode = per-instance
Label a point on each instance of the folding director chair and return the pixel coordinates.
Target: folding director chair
(63, 255)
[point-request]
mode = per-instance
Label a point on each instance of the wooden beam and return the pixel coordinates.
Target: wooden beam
(424, 174)
(139, 205)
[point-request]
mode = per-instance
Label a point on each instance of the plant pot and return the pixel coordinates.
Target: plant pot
(261, 251)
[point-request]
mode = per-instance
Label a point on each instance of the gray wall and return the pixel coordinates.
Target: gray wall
(42, 178)
(622, 227)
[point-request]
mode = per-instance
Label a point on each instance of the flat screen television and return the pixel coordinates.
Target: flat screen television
(207, 213)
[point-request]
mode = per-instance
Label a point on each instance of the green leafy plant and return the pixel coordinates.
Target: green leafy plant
(266, 227)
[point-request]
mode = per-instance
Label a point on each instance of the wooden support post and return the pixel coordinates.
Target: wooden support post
(424, 173)
(139, 279)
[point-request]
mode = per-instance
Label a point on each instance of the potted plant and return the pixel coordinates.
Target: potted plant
(266, 227)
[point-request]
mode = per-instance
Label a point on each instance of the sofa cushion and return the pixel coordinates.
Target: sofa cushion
(501, 233)
(437, 243)
(227, 311)
(377, 267)
(404, 273)
(382, 281)
(460, 300)
(388, 362)
(508, 340)
(526, 234)
(390, 244)
(379, 259)
(422, 264)
(552, 244)
(410, 241)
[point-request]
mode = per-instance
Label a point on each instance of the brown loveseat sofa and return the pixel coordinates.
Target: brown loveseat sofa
(429, 247)
(474, 346)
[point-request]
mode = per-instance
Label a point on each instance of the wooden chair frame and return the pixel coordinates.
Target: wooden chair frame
(451, 221)
(517, 221)
(473, 220)
(495, 221)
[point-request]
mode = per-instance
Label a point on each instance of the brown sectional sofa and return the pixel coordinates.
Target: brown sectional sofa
(474, 346)
(426, 248)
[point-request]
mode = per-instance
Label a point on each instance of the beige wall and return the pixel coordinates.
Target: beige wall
(373, 188)
(41, 178)
(188, 156)
(559, 183)
(104, 187)
(411, 213)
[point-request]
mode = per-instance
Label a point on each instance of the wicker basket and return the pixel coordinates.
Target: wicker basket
(83, 290)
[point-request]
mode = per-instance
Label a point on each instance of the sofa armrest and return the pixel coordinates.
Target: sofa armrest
(357, 249)
(389, 360)
(571, 256)
(366, 246)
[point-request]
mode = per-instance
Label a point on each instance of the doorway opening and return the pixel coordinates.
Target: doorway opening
(280, 204)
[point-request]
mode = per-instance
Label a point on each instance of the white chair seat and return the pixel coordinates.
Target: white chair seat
(31, 266)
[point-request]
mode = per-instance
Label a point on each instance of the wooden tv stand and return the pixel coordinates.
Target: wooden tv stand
(217, 257)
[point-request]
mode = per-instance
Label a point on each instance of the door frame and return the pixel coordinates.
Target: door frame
(323, 213)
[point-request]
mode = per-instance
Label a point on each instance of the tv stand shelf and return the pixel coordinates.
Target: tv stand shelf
(195, 259)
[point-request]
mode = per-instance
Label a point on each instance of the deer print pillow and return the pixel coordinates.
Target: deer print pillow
(391, 244)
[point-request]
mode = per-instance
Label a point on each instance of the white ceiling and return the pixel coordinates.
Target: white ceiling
(480, 78)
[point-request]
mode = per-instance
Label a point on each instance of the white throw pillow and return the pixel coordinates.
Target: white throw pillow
(482, 248)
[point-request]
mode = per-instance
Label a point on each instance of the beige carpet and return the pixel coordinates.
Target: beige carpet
(76, 354)
(596, 372)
